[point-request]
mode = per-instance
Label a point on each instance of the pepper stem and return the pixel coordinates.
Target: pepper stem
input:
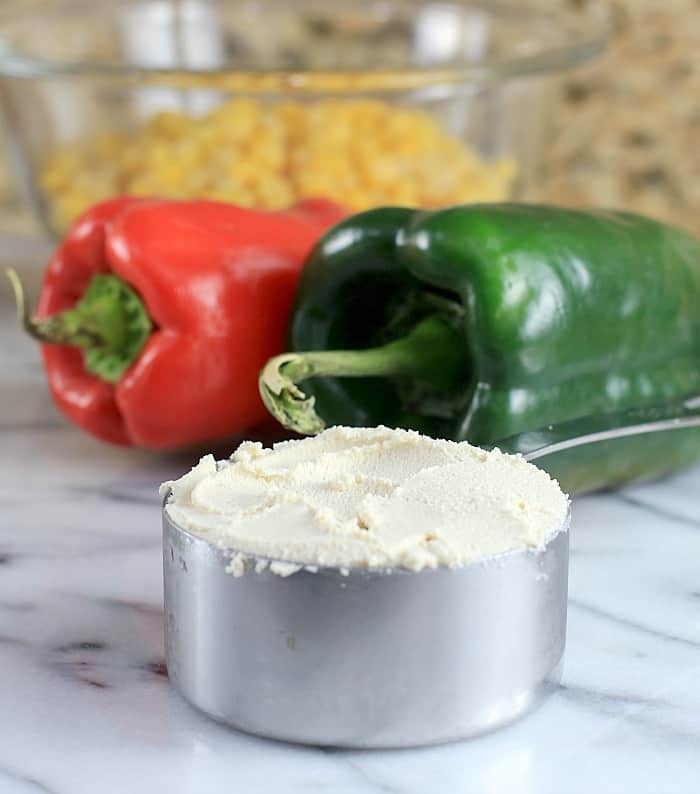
(109, 323)
(431, 353)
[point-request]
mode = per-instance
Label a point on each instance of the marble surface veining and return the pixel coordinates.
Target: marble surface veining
(86, 705)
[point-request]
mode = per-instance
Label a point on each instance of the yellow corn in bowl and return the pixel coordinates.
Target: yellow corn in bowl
(361, 153)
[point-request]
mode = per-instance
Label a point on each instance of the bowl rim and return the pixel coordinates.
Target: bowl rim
(595, 28)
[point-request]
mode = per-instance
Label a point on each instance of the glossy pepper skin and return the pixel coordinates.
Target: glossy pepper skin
(218, 283)
(563, 314)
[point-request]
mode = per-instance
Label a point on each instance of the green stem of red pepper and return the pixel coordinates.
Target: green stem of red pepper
(109, 323)
(432, 353)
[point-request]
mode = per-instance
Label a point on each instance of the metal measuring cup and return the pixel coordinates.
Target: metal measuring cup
(377, 657)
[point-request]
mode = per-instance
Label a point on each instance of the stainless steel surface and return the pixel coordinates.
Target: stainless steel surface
(371, 659)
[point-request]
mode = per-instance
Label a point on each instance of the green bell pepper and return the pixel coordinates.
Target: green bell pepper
(483, 322)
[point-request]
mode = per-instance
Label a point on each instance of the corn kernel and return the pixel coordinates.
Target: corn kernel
(360, 152)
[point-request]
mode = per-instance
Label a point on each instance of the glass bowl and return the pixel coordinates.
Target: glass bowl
(266, 102)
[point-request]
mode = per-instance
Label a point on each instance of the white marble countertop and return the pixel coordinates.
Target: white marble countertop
(86, 706)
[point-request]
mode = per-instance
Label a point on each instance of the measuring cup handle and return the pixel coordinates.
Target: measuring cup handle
(604, 427)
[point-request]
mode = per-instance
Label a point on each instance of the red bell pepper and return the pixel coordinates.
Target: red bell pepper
(158, 315)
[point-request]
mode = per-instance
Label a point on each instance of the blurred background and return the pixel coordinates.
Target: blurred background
(626, 131)
(614, 123)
